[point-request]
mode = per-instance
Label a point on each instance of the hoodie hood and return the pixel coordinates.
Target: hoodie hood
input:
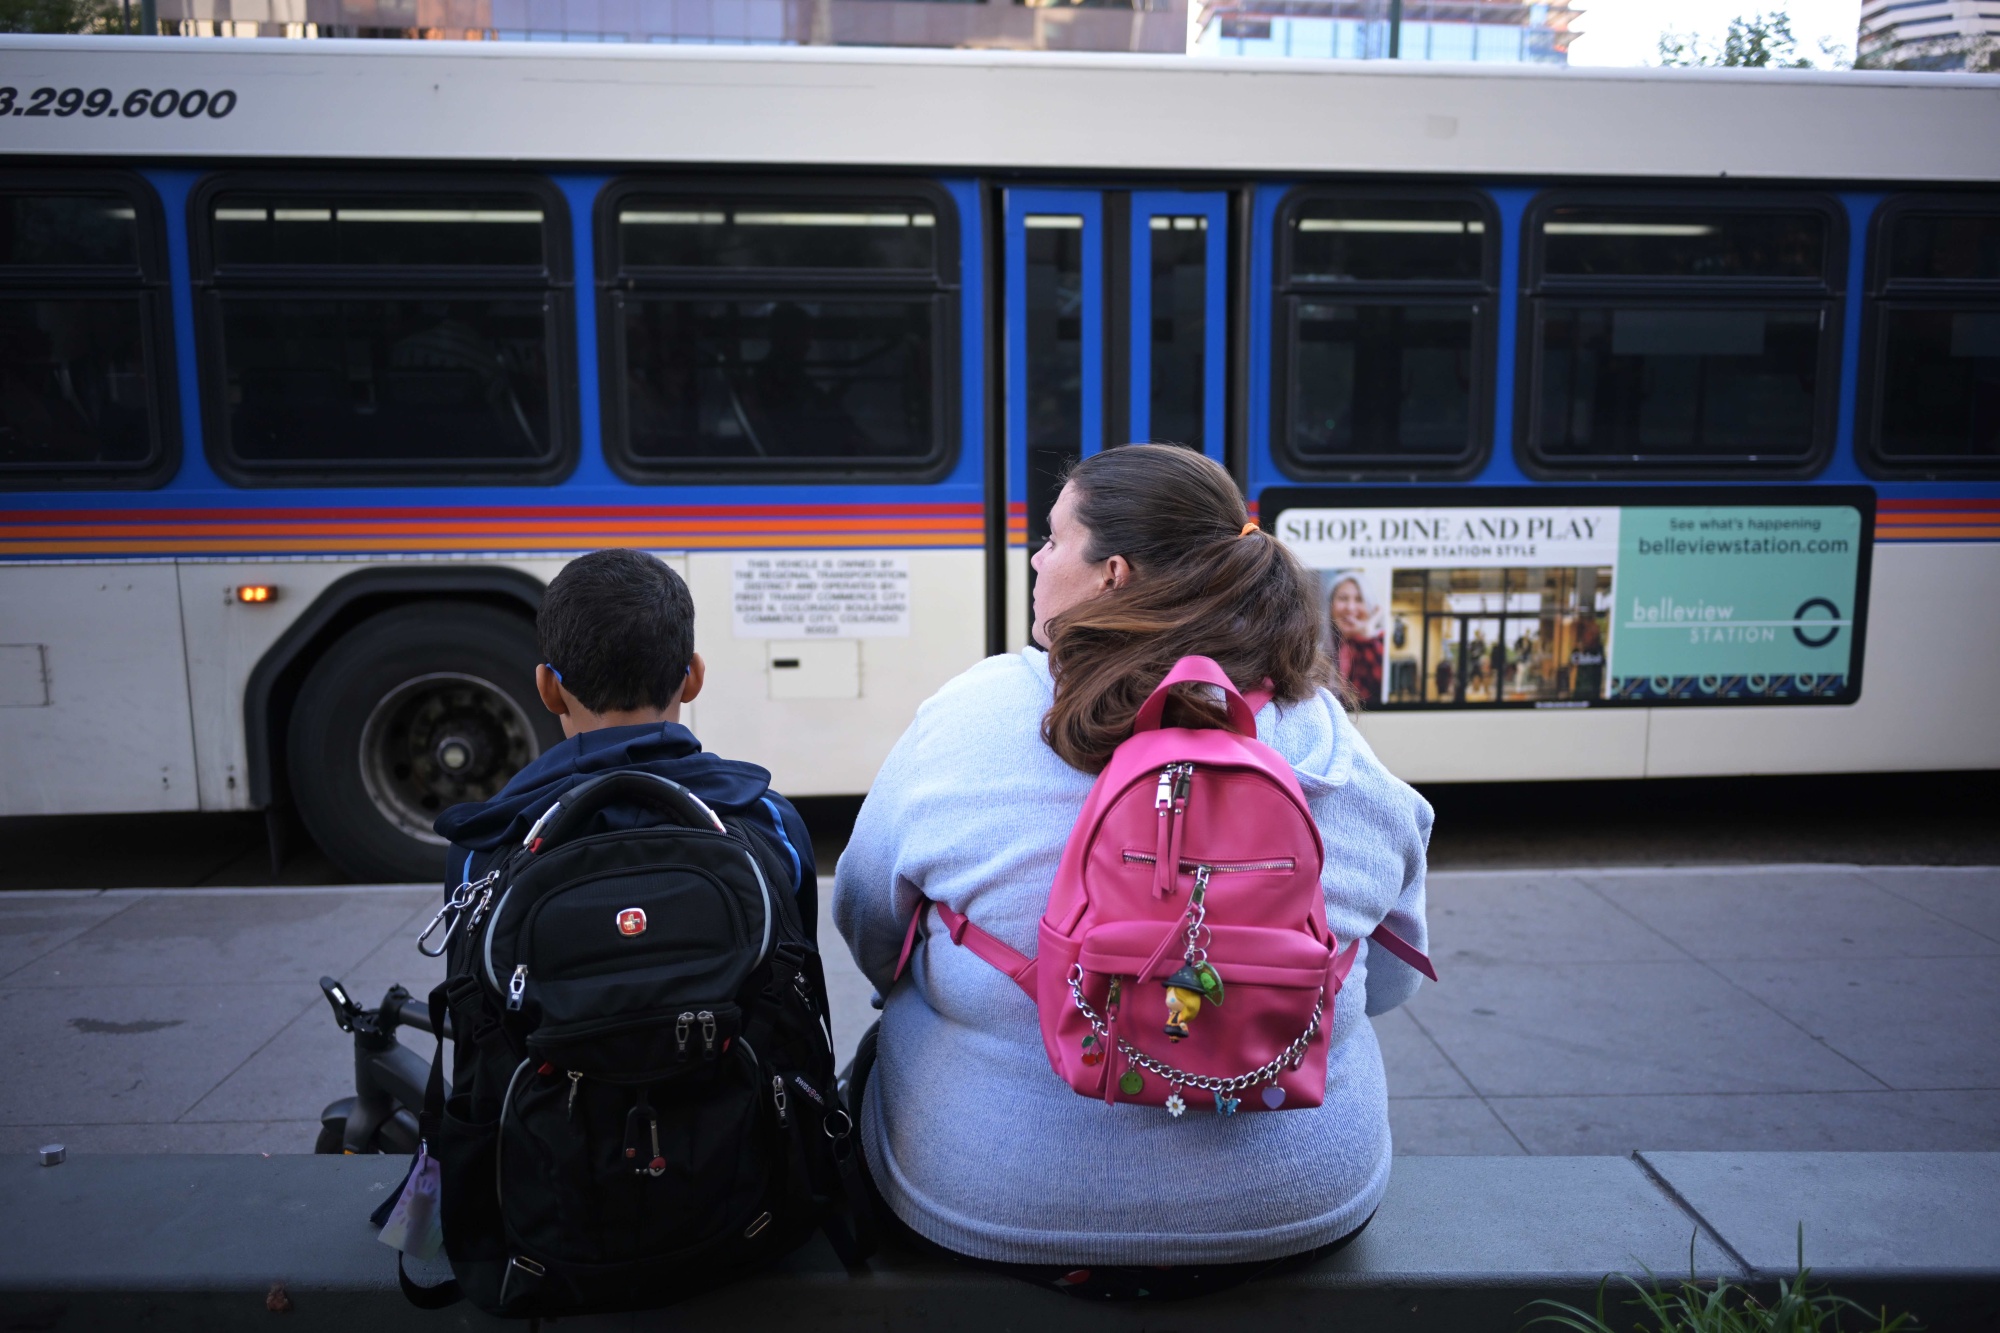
(667, 749)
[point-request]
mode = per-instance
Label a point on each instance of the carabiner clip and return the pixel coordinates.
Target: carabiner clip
(454, 907)
(444, 942)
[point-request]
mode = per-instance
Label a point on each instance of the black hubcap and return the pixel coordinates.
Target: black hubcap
(437, 740)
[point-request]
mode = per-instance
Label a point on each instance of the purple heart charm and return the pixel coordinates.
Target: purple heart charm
(1274, 1096)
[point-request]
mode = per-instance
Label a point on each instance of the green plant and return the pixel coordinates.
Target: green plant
(1754, 41)
(104, 16)
(1698, 1307)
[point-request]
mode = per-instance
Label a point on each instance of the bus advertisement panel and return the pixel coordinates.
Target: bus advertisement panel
(1581, 598)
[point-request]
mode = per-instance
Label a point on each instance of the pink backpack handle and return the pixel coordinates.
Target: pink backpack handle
(1197, 670)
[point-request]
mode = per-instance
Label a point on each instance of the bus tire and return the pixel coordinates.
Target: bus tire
(414, 710)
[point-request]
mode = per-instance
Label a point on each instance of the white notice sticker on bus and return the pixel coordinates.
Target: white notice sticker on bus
(822, 596)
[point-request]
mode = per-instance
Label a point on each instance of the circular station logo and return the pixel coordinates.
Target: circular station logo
(1816, 638)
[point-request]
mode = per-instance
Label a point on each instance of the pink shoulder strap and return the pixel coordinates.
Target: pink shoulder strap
(1404, 950)
(1018, 966)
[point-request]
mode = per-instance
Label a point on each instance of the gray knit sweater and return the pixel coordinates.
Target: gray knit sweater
(971, 1138)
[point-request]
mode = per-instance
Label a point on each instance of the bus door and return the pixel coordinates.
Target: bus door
(1116, 328)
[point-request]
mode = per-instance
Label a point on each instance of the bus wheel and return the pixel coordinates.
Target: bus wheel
(414, 710)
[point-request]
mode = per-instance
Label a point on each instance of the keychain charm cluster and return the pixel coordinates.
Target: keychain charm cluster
(1195, 982)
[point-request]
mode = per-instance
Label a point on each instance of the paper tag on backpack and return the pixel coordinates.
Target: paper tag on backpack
(414, 1226)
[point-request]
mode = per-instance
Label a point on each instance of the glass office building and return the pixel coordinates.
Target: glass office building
(1929, 34)
(1499, 31)
(1158, 26)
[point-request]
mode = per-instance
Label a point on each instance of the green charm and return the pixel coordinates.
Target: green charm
(1131, 1084)
(1211, 982)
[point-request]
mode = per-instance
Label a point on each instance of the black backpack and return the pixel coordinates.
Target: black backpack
(643, 1100)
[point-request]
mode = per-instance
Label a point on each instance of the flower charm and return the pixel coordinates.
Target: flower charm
(1175, 1106)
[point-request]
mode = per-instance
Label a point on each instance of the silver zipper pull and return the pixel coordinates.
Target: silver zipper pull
(1181, 785)
(658, 1166)
(1164, 797)
(517, 986)
(681, 1026)
(575, 1080)
(778, 1097)
(707, 1032)
(478, 912)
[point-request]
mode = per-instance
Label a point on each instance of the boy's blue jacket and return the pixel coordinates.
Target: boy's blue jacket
(478, 830)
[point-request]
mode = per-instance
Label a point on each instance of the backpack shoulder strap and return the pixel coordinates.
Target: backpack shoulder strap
(1020, 968)
(1404, 950)
(779, 866)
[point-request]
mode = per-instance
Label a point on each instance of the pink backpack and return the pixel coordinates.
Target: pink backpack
(1185, 957)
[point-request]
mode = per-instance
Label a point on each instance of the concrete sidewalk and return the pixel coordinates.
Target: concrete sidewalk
(1807, 1008)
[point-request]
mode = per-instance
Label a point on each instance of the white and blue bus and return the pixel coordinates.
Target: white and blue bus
(1628, 416)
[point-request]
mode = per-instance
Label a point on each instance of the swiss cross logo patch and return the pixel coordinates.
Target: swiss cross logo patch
(632, 921)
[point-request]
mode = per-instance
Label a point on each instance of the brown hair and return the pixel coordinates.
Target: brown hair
(1202, 582)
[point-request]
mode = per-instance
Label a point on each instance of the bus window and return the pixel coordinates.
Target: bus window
(82, 336)
(1384, 336)
(1935, 323)
(1054, 246)
(1178, 272)
(1668, 334)
(379, 333)
(1619, 242)
(762, 334)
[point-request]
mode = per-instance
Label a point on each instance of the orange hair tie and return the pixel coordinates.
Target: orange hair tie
(1249, 528)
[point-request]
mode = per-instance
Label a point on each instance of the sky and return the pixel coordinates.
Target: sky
(1627, 32)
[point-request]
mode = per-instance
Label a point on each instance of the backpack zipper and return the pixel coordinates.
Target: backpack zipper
(777, 1083)
(681, 1026)
(1215, 867)
(642, 1117)
(499, 1152)
(803, 989)
(1169, 853)
(763, 889)
(1170, 800)
(517, 988)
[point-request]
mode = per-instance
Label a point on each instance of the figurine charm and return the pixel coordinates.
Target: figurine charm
(1191, 985)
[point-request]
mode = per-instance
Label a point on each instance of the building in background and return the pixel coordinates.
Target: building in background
(1929, 34)
(1132, 25)
(1472, 30)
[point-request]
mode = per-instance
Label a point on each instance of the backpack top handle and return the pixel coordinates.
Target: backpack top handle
(1195, 669)
(665, 797)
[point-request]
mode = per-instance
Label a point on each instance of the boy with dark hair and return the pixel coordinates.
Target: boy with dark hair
(617, 640)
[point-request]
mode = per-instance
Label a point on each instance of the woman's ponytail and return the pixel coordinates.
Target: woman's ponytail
(1206, 580)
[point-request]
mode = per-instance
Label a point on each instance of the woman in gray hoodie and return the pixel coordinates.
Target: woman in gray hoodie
(972, 1142)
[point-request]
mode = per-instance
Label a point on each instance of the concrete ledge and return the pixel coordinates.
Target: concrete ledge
(196, 1243)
